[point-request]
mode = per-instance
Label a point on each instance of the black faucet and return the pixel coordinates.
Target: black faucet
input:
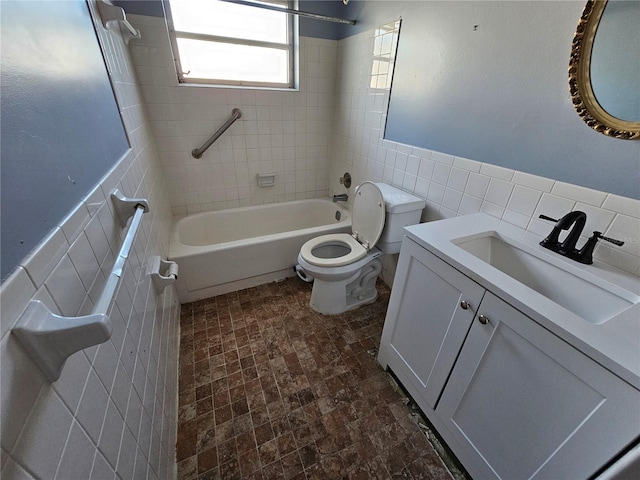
(567, 248)
(576, 219)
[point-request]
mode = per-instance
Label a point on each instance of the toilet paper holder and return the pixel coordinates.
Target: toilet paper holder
(163, 273)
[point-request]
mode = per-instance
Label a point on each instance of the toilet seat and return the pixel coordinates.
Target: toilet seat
(356, 253)
(368, 217)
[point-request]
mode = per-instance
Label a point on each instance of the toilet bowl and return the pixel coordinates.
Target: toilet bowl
(344, 267)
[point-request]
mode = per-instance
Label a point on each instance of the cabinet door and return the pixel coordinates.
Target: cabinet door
(525, 404)
(426, 324)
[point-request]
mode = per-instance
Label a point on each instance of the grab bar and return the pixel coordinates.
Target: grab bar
(236, 113)
(49, 338)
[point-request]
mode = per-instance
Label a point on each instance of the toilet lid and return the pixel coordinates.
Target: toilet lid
(368, 214)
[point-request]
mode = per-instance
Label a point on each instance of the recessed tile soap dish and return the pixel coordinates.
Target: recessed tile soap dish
(266, 179)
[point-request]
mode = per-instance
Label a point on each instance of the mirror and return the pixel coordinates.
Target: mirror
(604, 68)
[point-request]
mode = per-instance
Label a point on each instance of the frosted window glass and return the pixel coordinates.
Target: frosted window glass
(227, 61)
(229, 20)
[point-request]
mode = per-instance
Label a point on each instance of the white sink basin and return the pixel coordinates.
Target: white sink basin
(583, 294)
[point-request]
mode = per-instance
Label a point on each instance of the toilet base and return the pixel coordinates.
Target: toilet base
(335, 297)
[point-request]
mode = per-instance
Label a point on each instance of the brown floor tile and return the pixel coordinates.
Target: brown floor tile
(269, 389)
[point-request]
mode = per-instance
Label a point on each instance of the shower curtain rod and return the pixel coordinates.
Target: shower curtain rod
(300, 13)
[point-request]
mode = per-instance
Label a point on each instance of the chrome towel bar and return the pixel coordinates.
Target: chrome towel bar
(236, 113)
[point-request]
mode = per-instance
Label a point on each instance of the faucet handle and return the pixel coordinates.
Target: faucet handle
(609, 239)
(585, 255)
(544, 217)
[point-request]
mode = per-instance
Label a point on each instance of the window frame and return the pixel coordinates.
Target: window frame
(291, 47)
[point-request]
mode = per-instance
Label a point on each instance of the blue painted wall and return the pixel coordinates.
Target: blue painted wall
(60, 126)
(497, 93)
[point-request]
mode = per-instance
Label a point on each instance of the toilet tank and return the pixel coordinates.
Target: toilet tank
(402, 209)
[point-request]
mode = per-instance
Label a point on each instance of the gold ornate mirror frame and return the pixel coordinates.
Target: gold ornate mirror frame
(582, 96)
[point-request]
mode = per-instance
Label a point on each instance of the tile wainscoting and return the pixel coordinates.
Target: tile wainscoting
(113, 411)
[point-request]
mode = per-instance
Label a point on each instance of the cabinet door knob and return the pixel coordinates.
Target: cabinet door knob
(464, 305)
(483, 320)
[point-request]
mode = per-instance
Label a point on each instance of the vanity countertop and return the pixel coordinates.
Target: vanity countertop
(614, 343)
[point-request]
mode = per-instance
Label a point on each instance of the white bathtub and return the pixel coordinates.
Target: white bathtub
(227, 250)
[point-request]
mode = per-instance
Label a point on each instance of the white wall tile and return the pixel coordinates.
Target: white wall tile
(553, 206)
(49, 420)
(499, 192)
(21, 383)
(74, 223)
(65, 287)
(467, 164)
(14, 471)
(533, 181)
(45, 256)
(495, 171)
(258, 135)
(72, 380)
(101, 469)
(579, 194)
(597, 218)
(37, 417)
(627, 229)
(441, 173)
(78, 446)
(15, 293)
(84, 261)
(92, 407)
(612, 255)
(469, 205)
(477, 185)
(442, 158)
(524, 200)
(624, 205)
(458, 179)
(451, 199)
(111, 434)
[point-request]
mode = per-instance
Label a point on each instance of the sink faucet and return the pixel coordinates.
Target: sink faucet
(343, 197)
(567, 248)
(574, 219)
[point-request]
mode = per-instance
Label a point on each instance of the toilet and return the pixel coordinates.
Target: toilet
(344, 267)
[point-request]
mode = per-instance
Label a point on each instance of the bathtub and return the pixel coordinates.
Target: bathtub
(228, 250)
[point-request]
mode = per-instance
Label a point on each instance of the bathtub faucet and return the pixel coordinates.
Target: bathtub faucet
(343, 197)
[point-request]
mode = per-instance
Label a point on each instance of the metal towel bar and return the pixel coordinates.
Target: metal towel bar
(236, 113)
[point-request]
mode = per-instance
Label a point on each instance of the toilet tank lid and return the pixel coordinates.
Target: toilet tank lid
(399, 201)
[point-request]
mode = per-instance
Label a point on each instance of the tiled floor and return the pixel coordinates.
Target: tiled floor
(269, 389)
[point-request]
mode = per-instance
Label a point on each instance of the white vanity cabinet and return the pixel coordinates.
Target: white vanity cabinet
(510, 398)
(430, 311)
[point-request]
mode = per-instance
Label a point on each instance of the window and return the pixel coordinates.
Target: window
(223, 43)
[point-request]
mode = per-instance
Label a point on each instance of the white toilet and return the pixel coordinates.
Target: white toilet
(345, 266)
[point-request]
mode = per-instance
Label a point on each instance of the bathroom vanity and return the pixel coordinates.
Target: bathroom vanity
(526, 365)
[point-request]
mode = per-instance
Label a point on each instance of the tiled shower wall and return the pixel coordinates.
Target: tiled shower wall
(113, 410)
(286, 133)
(452, 185)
